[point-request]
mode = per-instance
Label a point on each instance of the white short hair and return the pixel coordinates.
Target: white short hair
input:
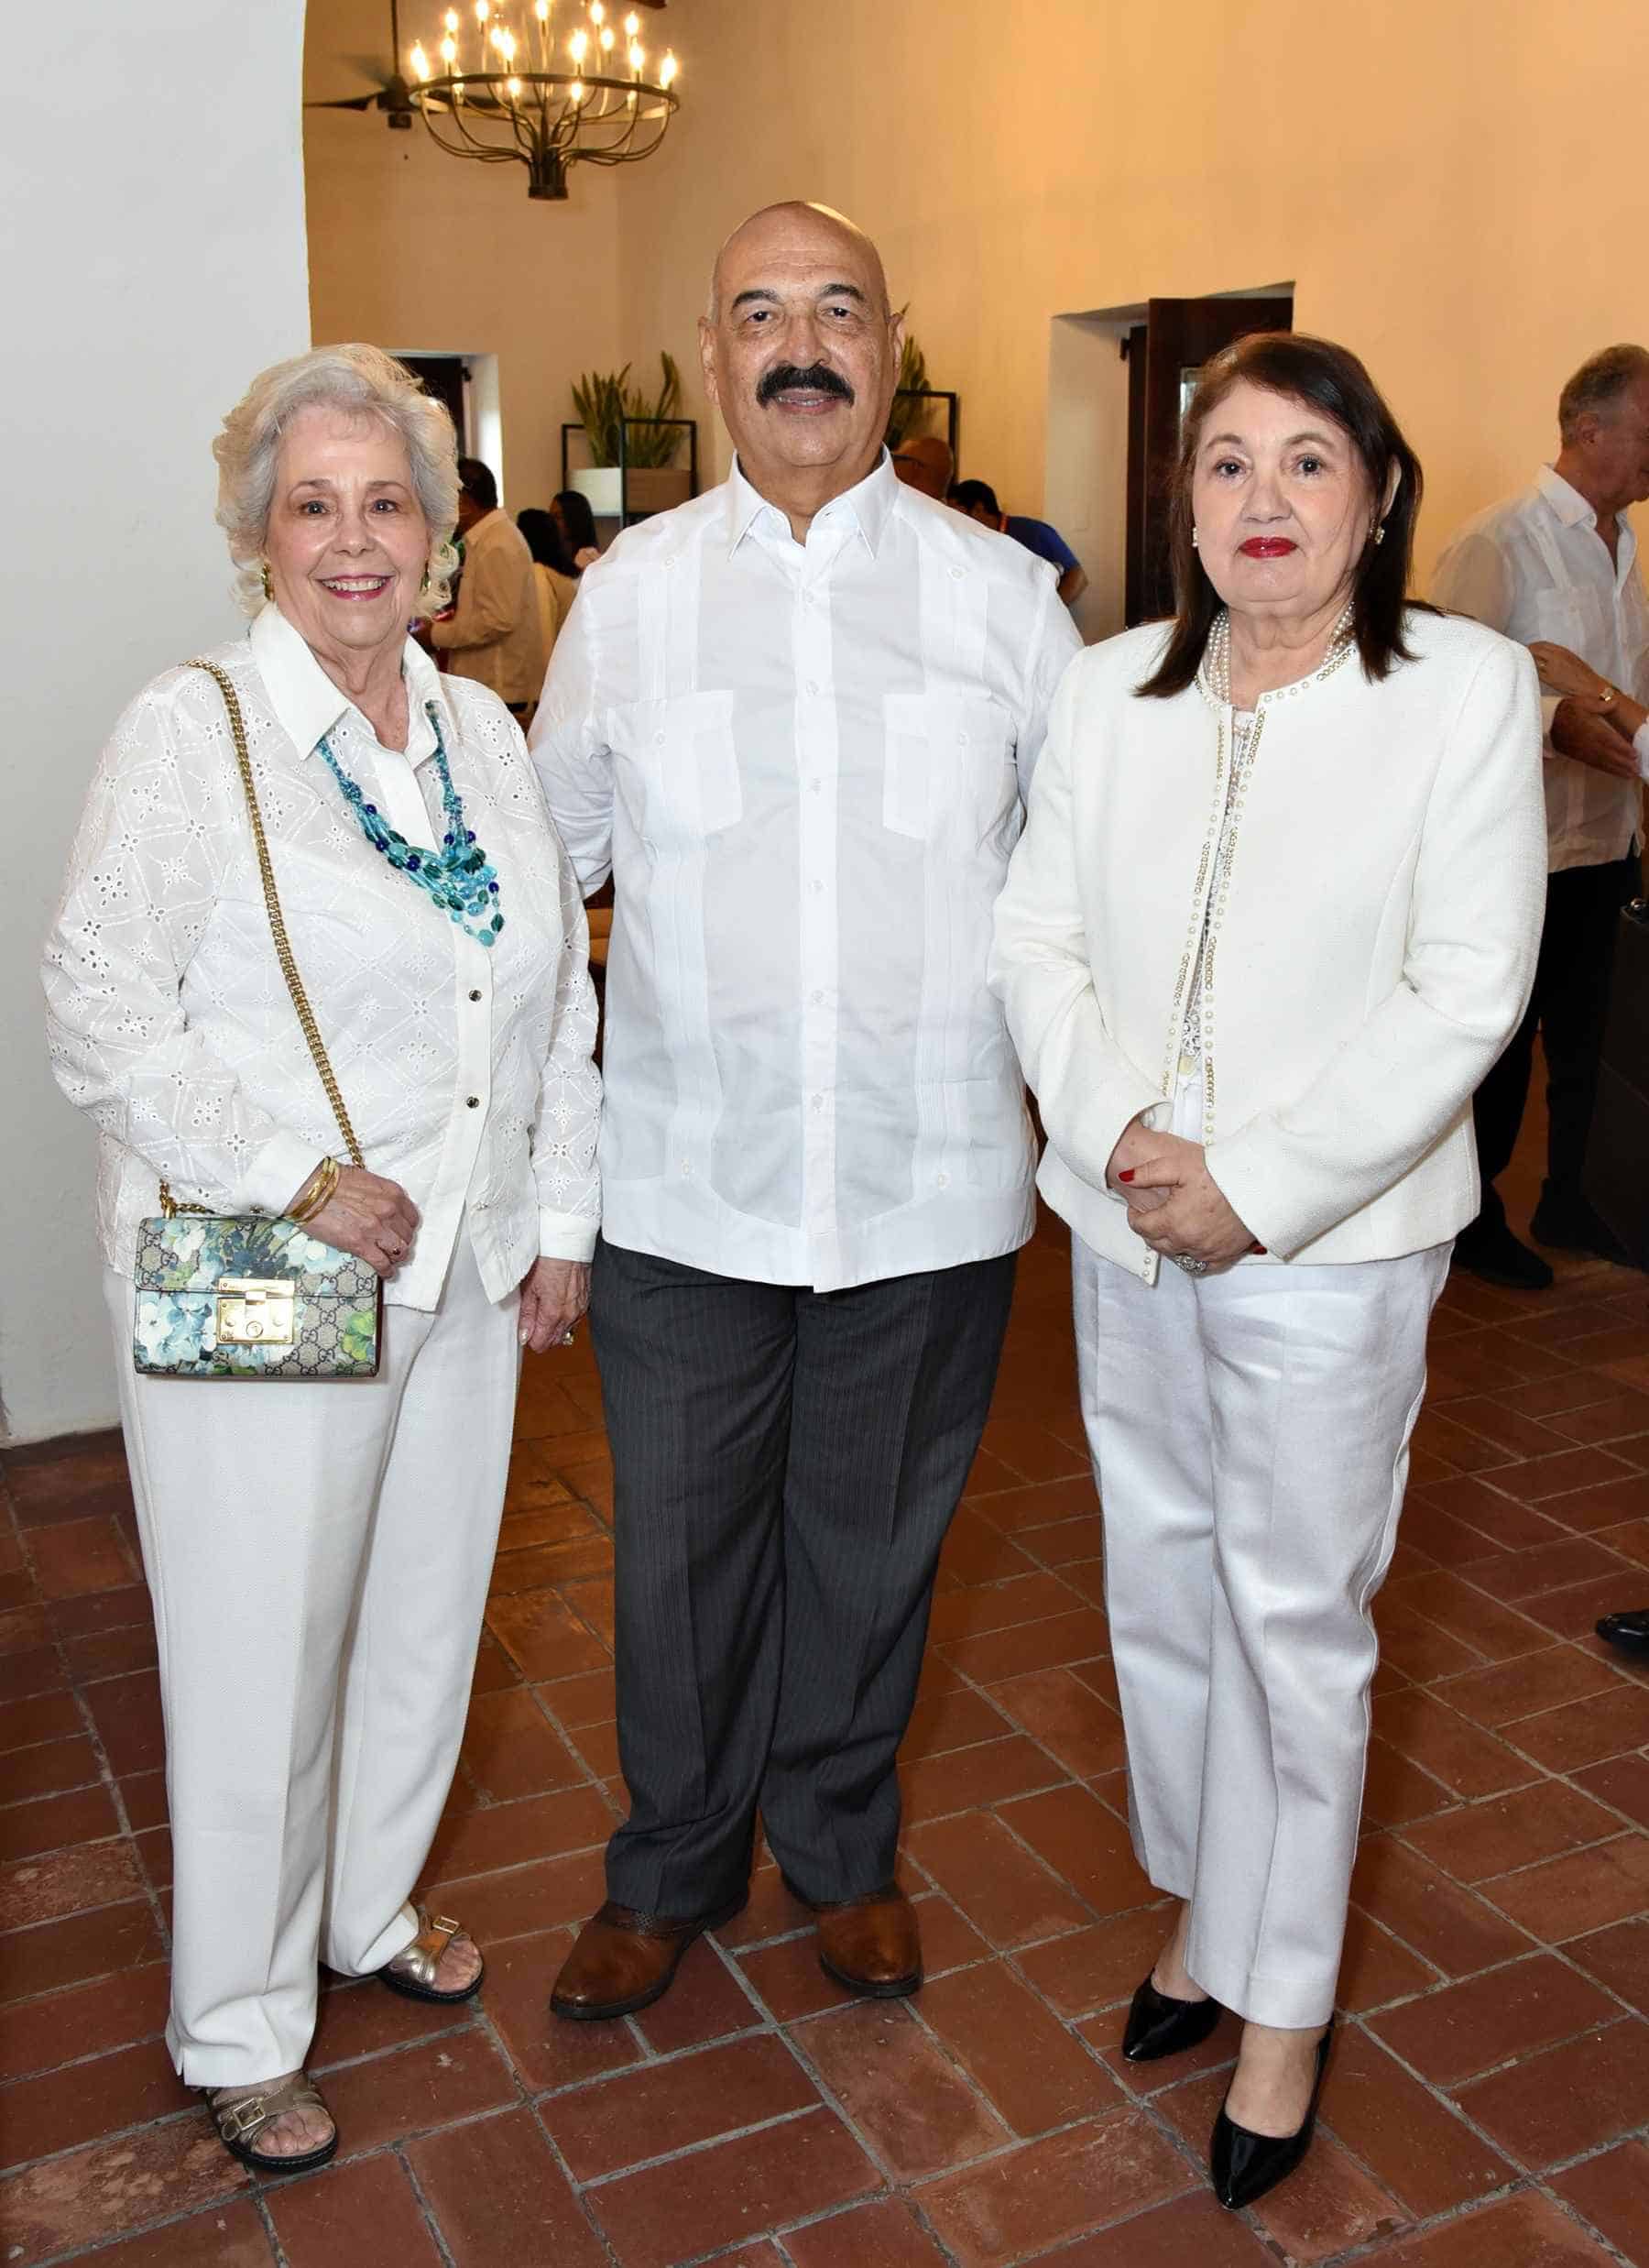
(366, 383)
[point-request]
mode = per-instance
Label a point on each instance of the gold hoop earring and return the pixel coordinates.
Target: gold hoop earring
(268, 588)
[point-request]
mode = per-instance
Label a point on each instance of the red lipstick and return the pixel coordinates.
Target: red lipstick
(1268, 547)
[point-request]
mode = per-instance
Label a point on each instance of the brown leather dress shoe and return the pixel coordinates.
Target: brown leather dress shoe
(872, 1946)
(623, 1960)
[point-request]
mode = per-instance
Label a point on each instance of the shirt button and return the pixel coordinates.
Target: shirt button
(812, 686)
(474, 995)
(816, 785)
(943, 1179)
(818, 1102)
(817, 998)
(472, 1102)
(956, 575)
(658, 740)
(815, 887)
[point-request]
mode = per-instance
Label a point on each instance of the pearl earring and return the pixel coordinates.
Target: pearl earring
(1196, 541)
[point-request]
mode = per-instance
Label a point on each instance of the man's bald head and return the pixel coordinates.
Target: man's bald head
(785, 227)
(800, 351)
(925, 462)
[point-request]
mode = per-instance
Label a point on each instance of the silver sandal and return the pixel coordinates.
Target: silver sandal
(414, 1968)
(241, 2119)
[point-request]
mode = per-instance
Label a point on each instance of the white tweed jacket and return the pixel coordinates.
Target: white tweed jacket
(1375, 941)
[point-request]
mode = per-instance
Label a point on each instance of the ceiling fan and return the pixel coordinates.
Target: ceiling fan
(393, 95)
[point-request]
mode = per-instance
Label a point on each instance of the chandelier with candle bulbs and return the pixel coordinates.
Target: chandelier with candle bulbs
(544, 84)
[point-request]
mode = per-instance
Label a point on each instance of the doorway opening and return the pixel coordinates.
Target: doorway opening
(1118, 378)
(468, 385)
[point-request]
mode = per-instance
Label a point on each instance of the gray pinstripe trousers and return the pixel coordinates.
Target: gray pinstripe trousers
(786, 1464)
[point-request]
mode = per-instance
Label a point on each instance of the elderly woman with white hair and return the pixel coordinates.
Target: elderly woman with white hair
(319, 1555)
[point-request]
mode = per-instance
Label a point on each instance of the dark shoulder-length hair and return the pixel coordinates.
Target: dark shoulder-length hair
(1335, 384)
(580, 522)
(544, 540)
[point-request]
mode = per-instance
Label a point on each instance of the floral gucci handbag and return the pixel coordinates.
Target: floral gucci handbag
(240, 1296)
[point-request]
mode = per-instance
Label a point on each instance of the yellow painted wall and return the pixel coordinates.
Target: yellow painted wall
(1455, 188)
(410, 248)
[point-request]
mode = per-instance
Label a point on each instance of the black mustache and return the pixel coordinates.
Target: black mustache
(818, 378)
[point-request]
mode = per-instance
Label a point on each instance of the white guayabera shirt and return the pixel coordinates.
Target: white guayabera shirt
(466, 1070)
(1536, 567)
(804, 766)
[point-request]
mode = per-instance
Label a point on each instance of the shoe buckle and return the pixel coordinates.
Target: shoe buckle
(242, 2120)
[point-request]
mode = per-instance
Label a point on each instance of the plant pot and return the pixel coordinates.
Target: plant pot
(600, 483)
(659, 487)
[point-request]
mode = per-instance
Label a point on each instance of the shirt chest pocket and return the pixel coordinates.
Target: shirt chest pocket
(686, 765)
(948, 768)
(1574, 618)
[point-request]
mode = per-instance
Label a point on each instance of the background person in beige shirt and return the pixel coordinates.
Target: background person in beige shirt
(493, 633)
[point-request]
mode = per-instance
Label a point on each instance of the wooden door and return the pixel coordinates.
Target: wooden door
(1177, 338)
(444, 377)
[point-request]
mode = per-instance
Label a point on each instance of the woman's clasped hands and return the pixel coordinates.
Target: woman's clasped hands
(1175, 1204)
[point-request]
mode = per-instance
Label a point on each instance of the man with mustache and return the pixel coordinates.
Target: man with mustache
(795, 720)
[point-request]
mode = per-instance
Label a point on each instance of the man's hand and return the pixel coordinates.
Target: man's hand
(1585, 739)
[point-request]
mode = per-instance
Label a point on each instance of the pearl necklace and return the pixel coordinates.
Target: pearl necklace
(1218, 659)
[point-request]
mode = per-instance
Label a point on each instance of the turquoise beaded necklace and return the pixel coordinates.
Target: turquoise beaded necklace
(457, 876)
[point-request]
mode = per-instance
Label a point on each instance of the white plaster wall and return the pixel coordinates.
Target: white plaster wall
(151, 189)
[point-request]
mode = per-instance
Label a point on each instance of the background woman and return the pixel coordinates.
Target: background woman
(1273, 915)
(318, 1554)
(570, 509)
(553, 575)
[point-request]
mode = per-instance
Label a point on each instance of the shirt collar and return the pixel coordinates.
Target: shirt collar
(867, 507)
(307, 704)
(1567, 501)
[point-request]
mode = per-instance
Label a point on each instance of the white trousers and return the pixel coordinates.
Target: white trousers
(319, 1558)
(1250, 1435)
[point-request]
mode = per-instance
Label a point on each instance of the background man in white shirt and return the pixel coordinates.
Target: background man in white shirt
(494, 633)
(1557, 568)
(795, 719)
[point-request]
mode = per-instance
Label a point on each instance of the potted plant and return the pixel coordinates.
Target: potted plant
(604, 400)
(907, 414)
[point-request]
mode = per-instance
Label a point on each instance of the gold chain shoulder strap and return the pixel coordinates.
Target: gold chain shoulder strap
(283, 946)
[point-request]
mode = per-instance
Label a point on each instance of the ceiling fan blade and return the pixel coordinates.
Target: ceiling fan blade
(354, 101)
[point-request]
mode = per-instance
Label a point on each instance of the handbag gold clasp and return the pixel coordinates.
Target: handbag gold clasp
(255, 1311)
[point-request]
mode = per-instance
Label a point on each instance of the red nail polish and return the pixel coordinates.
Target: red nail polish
(1125, 1173)
(1259, 1247)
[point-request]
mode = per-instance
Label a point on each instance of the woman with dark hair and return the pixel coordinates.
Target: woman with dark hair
(554, 577)
(1273, 915)
(570, 509)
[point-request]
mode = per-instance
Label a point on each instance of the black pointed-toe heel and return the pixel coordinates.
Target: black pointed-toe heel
(1244, 2165)
(1158, 2025)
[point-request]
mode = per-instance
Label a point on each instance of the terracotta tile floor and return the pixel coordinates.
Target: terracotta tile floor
(1489, 2101)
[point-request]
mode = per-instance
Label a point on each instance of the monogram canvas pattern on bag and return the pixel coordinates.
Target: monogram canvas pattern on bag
(233, 1298)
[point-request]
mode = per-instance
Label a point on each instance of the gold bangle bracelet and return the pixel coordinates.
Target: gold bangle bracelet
(316, 1192)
